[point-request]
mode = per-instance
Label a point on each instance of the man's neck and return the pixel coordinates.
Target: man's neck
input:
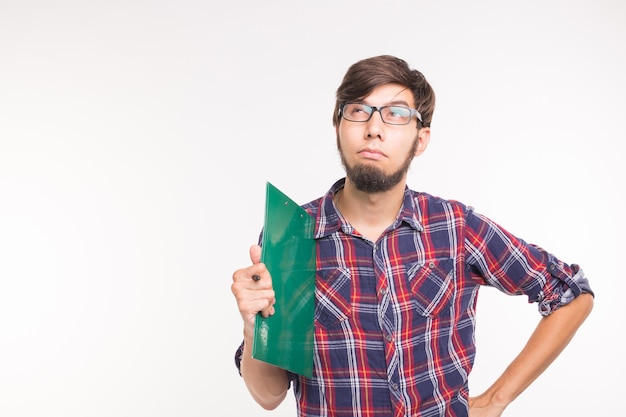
(370, 213)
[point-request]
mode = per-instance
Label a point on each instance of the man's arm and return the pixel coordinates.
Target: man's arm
(267, 384)
(551, 336)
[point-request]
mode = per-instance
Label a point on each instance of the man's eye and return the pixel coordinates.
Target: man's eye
(398, 112)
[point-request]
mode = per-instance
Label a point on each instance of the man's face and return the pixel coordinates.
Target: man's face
(376, 155)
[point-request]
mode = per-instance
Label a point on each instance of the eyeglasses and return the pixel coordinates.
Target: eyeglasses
(392, 115)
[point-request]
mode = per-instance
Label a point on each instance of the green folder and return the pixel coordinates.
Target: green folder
(285, 339)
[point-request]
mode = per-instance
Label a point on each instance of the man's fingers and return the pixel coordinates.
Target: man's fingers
(266, 312)
(265, 306)
(252, 275)
(255, 254)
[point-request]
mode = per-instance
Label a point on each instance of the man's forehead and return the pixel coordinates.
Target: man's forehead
(388, 94)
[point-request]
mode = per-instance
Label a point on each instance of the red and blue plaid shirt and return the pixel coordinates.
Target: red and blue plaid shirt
(394, 319)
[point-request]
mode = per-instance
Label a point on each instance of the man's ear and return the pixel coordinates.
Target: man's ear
(423, 139)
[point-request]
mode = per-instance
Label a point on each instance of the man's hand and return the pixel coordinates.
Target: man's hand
(252, 288)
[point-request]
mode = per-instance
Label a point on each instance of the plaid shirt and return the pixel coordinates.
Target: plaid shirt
(394, 319)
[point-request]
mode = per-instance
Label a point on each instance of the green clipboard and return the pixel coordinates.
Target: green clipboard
(285, 339)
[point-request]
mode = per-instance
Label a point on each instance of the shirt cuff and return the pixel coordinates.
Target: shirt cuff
(564, 287)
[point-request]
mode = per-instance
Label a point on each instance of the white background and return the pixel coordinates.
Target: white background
(136, 138)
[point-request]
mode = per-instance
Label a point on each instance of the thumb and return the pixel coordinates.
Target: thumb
(255, 254)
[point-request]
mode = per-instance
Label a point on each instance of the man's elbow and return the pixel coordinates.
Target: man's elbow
(585, 302)
(579, 308)
(270, 403)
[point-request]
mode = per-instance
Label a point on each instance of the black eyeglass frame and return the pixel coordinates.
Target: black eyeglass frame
(412, 112)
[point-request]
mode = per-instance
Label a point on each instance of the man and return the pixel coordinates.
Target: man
(398, 272)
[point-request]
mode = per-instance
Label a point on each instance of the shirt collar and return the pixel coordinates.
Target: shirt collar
(329, 220)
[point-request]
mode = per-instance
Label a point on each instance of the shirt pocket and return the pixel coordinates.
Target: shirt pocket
(333, 296)
(432, 286)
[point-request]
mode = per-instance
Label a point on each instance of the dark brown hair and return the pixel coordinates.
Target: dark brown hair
(365, 75)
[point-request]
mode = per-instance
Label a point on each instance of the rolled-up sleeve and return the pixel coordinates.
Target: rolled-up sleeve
(566, 283)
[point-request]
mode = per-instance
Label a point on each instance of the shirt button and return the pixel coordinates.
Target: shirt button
(431, 265)
(383, 291)
(388, 338)
(394, 386)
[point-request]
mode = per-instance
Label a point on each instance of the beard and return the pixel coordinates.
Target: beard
(371, 179)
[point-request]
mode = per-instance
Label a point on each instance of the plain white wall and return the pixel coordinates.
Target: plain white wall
(136, 138)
